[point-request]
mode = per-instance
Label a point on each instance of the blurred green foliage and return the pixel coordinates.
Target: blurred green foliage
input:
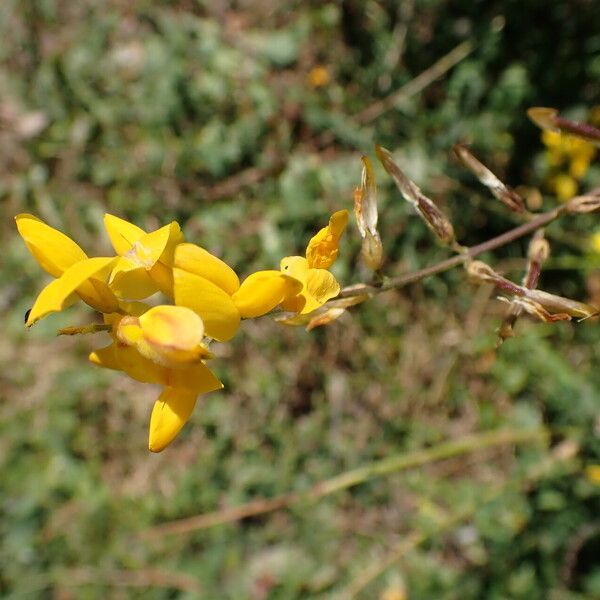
(211, 113)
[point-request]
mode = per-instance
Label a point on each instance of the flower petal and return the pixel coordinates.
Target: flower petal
(54, 251)
(168, 335)
(130, 280)
(263, 291)
(56, 295)
(320, 286)
(216, 308)
(126, 358)
(197, 260)
(123, 234)
(322, 250)
(170, 413)
(197, 377)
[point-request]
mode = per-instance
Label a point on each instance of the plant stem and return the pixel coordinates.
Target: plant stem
(373, 470)
(501, 240)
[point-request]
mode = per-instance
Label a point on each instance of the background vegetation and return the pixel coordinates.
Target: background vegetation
(245, 121)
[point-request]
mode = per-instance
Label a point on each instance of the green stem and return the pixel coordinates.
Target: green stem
(373, 470)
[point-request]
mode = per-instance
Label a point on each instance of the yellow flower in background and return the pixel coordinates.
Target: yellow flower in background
(163, 345)
(570, 158)
(594, 242)
(319, 76)
(565, 186)
(592, 474)
(77, 276)
(302, 284)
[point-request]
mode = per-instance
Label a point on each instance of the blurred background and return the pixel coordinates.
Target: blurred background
(245, 121)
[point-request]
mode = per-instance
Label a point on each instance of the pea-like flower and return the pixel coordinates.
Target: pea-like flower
(77, 276)
(162, 345)
(302, 284)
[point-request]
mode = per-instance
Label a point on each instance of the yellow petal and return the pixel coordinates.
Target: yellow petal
(149, 248)
(320, 286)
(168, 335)
(130, 280)
(56, 295)
(263, 291)
(98, 295)
(216, 308)
(322, 250)
(162, 276)
(54, 251)
(127, 359)
(170, 413)
(296, 267)
(123, 234)
(197, 377)
(197, 260)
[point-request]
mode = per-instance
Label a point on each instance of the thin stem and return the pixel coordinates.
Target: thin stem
(540, 220)
(392, 464)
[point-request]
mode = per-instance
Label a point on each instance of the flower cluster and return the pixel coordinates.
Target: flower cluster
(568, 152)
(167, 344)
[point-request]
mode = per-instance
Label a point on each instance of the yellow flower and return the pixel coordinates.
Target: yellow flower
(592, 474)
(193, 277)
(77, 276)
(565, 186)
(302, 284)
(595, 242)
(145, 259)
(319, 76)
(162, 345)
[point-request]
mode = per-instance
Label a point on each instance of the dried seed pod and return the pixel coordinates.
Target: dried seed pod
(500, 190)
(537, 253)
(330, 315)
(549, 118)
(579, 205)
(537, 310)
(365, 209)
(483, 273)
(429, 212)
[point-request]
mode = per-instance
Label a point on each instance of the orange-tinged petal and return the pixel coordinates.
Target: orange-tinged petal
(56, 295)
(322, 250)
(216, 308)
(170, 413)
(197, 260)
(54, 251)
(262, 291)
(123, 234)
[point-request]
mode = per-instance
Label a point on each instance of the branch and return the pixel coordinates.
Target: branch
(373, 470)
(540, 220)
